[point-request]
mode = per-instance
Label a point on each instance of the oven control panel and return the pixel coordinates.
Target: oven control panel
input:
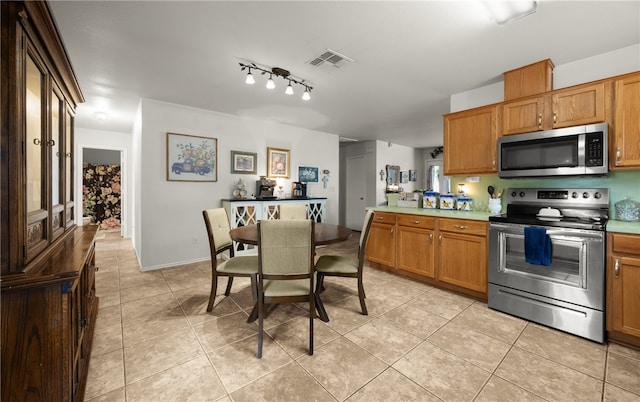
(543, 196)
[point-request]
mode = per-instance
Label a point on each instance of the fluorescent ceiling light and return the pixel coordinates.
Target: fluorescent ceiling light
(503, 12)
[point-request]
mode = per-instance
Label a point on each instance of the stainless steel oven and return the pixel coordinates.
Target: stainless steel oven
(568, 293)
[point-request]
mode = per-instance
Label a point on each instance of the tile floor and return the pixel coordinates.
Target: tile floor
(154, 341)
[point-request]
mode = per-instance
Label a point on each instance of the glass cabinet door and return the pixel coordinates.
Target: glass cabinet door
(68, 171)
(57, 208)
(35, 146)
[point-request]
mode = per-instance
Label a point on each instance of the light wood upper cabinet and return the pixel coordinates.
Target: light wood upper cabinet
(625, 141)
(623, 277)
(583, 104)
(470, 141)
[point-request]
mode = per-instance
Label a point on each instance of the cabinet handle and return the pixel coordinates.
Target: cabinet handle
(440, 238)
(493, 162)
(461, 227)
(431, 238)
(51, 143)
(380, 218)
(392, 230)
(416, 222)
(616, 268)
(539, 120)
(68, 155)
(37, 141)
(555, 118)
(618, 154)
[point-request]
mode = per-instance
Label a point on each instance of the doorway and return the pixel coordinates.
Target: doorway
(356, 192)
(102, 188)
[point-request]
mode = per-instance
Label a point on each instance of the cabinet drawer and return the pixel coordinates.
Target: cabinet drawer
(463, 226)
(628, 244)
(417, 221)
(384, 217)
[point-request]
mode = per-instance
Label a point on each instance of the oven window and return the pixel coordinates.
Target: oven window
(540, 154)
(567, 260)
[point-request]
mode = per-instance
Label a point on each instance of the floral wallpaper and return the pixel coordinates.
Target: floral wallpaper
(101, 194)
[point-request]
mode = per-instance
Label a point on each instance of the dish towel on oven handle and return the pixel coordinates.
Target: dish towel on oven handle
(537, 246)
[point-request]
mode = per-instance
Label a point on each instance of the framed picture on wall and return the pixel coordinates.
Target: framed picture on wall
(308, 174)
(412, 175)
(278, 161)
(404, 176)
(191, 158)
(244, 162)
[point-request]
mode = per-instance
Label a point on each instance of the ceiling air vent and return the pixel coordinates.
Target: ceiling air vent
(330, 58)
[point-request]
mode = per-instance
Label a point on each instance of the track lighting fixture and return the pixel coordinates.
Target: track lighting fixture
(277, 72)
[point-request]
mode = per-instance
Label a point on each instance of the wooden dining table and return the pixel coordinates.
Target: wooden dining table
(324, 233)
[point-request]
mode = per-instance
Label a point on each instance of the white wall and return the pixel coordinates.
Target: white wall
(170, 226)
(605, 65)
(87, 138)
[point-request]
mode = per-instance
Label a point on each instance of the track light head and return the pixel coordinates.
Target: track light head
(277, 72)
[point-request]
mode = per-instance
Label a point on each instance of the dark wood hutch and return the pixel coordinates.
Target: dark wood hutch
(47, 270)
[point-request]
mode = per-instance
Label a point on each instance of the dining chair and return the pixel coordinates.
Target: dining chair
(293, 211)
(285, 268)
(218, 227)
(345, 266)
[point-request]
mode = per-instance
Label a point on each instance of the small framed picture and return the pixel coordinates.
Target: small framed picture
(244, 162)
(308, 174)
(412, 175)
(278, 161)
(191, 158)
(404, 176)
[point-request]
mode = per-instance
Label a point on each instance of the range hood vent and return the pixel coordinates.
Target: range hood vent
(330, 58)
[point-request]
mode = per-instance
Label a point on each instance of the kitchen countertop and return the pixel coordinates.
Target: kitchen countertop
(438, 213)
(623, 227)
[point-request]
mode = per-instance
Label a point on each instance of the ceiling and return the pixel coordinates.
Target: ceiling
(408, 57)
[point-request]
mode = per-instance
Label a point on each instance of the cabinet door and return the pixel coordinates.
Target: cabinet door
(470, 141)
(416, 251)
(626, 141)
(381, 246)
(68, 169)
(523, 116)
(57, 163)
(625, 298)
(463, 260)
(583, 105)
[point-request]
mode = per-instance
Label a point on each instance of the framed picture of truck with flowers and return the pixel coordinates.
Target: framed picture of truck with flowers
(191, 158)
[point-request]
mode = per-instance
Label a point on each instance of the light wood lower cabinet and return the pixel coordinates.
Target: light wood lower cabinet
(463, 253)
(450, 253)
(623, 296)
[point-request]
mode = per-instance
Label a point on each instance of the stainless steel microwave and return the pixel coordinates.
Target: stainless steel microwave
(571, 151)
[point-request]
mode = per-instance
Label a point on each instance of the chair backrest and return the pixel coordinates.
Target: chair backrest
(218, 228)
(364, 235)
(285, 247)
(292, 211)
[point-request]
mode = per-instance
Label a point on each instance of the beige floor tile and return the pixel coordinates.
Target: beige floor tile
(624, 372)
(388, 348)
(548, 379)
(475, 347)
(499, 390)
(237, 364)
(106, 339)
(401, 389)
(106, 374)
(117, 395)
(293, 336)
(186, 277)
(490, 322)
(194, 304)
(280, 313)
(615, 394)
(160, 353)
(414, 321)
(194, 380)
(342, 367)
(446, 376)
(346, 315)
(288, 383)
(143, 291)
(624, 351)
(569, 350)
(445, 304)
(109, 315)
(217, 332)
(135, 278)
(154, 325)
(142, 308)
(109, 300)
